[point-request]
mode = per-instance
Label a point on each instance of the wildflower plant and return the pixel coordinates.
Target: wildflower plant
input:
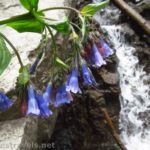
(85, 51)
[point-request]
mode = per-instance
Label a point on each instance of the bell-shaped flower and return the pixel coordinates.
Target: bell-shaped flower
(62, 96)
(72, 84)
(33, 108)
(87, 75)
(5, 102)
(107, 51)
(96, 57)
(47, 93)
(45, 112)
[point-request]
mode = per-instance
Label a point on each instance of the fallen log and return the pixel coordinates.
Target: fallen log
(112, 129)
(145, 25)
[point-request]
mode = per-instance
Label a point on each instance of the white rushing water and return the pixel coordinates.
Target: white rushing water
(134, 98)
(134, 121)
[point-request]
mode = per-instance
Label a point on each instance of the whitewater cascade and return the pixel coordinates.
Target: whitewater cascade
(134, 121)
(134, 98)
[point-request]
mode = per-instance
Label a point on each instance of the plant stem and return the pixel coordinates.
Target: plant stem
(53, 39)
(14, 49)
(50, 19)
(54, 51)
(65, 7)
(75, 26)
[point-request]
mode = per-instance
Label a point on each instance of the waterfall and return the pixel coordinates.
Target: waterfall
(134, 98)
(134, 121)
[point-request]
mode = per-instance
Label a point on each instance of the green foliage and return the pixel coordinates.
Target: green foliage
(34, 4)
(5, 55)
(91, 9)
(30, 4)
(61, 26)
(29, 24)
(26, 4)
(24, 75)
(61, 63)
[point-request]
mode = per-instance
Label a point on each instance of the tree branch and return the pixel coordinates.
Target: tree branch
(134, 15)
(112, 129)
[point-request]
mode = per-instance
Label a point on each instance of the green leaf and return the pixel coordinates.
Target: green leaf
(30, 4)
(60, 62)
(5, 55)
(61, 26)
(34, 4)
(24, 75)
(27, 24)
(26, 4)
(91, 9)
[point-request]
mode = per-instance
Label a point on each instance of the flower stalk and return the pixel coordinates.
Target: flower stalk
(14, 49)
(63, 7)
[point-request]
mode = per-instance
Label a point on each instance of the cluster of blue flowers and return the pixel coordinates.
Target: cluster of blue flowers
(5, 102)
(95, 53)
(38, 102)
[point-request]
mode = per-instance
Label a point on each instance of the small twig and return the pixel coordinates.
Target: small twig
(112, 129)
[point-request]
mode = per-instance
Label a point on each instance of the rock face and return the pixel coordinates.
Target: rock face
(11, 134)
(16, 132)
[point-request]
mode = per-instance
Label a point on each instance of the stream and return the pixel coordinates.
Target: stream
(134, 121)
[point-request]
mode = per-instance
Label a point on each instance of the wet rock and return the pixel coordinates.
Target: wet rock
(109, 78)
(85, 123)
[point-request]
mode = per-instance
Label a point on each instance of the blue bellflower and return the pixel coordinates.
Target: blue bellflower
(96, 57)
(45, 112)
(5, 102)
(87, 75)
(107, 50)
(47, 93)
(62, 96)
(72, 83)
(33, 108)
